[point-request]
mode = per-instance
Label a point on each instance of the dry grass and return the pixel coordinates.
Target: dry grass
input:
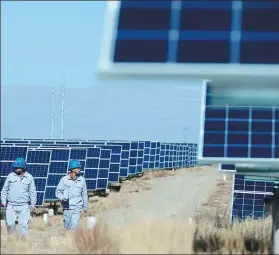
(167, 236)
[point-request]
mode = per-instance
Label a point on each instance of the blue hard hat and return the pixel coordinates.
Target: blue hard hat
(74, 164)
(19, 163)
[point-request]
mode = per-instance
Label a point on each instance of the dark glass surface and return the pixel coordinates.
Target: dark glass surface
(205, 19)
(259, 20)
(237, 152)
(141, 51)
(203, 51)
(260, 52)
(155, 19)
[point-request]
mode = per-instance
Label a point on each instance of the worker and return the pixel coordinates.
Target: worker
(19, 197)
(72, 193)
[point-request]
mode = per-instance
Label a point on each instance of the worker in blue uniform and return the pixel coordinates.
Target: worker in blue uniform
(72, 193)
(19, 197)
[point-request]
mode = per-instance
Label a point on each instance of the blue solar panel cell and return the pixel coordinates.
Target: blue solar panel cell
(269, 17)
(11, 153)
(79, 154)
(103, 173)
(143, 19)
(2, 181)
(91, 173)
(102, 184)
(6, 168)
(38, 156)
(94, 152)
(60, 155)
(53, 180)
(50, 194)
(58, 167)
(38, 170)
(40, 198)
(40, 184)
(202, 18)
(91, 184)
(92, 163)
(105, 154)
(195, 51)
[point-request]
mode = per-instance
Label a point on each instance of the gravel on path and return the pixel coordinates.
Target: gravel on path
(179, 195)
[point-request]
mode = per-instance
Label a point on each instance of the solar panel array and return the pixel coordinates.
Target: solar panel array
(103, 162)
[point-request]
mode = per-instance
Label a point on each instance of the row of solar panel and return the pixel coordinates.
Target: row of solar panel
(101, 164)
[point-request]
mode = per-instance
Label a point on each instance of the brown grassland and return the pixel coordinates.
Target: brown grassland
(209, 232)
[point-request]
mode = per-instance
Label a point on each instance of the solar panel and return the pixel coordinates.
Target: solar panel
(96, 170)
(149, 36)
(162, 156)
(125, 154)
(8, 153)
(136, 158)
(192, 155)
(146, 155)
(58, 168)
(38, 163)
(37, 166)
(248, 197)
(104, 167)
(241, 133)
(114, 163)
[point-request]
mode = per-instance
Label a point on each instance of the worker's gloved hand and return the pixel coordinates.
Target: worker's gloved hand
(64, 200)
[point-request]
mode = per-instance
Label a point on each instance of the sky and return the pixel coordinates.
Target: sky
(42, 41)
(46, 40)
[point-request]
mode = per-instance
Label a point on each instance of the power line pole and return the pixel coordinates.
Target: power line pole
(62, 108)
(53, 108)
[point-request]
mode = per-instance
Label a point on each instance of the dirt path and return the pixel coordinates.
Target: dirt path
(178, 195)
